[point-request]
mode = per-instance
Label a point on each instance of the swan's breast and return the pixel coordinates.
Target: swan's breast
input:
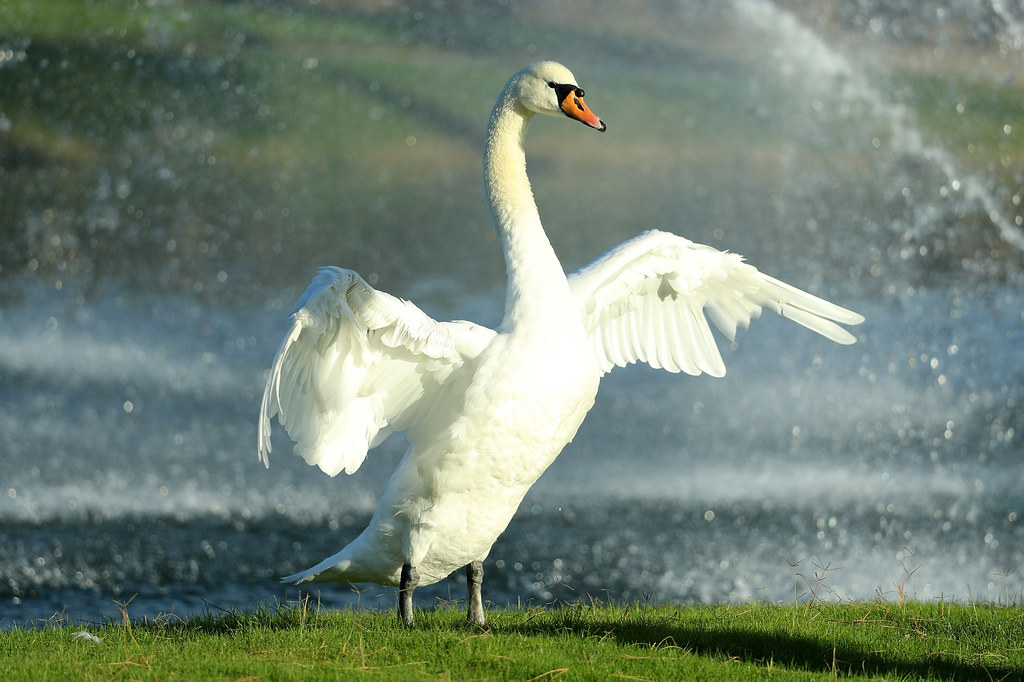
(526, 402)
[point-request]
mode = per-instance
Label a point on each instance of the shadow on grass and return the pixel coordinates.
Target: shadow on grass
(801, 652)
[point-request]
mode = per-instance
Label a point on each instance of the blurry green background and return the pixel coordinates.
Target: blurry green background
(220, 148)
(172, 173)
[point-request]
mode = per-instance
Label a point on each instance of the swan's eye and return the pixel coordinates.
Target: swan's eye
(551, 84)
(579, 92)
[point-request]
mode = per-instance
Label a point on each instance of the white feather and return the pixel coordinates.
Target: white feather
(630, 281)
(352, 369)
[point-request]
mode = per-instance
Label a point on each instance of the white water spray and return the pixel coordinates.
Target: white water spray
(802, 56)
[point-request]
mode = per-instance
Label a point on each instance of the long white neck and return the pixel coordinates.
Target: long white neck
(536, 283)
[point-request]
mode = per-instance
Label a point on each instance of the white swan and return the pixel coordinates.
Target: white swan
(486, 411)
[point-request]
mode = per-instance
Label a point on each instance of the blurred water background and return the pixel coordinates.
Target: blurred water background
(172, 173)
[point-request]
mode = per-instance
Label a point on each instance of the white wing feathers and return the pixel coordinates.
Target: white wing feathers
(355, 367)
(359, 364)
(650, 299)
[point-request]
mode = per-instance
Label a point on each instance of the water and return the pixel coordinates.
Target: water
(870, 155)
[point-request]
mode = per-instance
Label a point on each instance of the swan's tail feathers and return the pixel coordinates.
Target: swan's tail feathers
(301, 577)
(330, 569)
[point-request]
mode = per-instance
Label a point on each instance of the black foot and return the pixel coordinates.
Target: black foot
(475, 578)
(405, 589)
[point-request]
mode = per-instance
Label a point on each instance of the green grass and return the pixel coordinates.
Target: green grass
(877, 640)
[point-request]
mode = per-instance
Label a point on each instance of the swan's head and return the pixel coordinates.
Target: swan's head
(550, 88)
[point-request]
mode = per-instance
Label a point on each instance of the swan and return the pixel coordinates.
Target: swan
(486, 411)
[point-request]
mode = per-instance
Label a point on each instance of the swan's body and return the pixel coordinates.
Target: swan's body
(487, 411)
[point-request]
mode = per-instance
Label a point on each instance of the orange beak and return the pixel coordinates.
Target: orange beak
(573, 106)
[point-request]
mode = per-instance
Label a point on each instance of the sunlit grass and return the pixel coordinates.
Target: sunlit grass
(877, 640)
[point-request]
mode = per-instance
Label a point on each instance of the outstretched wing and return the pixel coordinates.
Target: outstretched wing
(357, 365)
(650, 299)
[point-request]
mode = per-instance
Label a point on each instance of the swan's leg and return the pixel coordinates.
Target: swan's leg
(408, 583)
(475, 578)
